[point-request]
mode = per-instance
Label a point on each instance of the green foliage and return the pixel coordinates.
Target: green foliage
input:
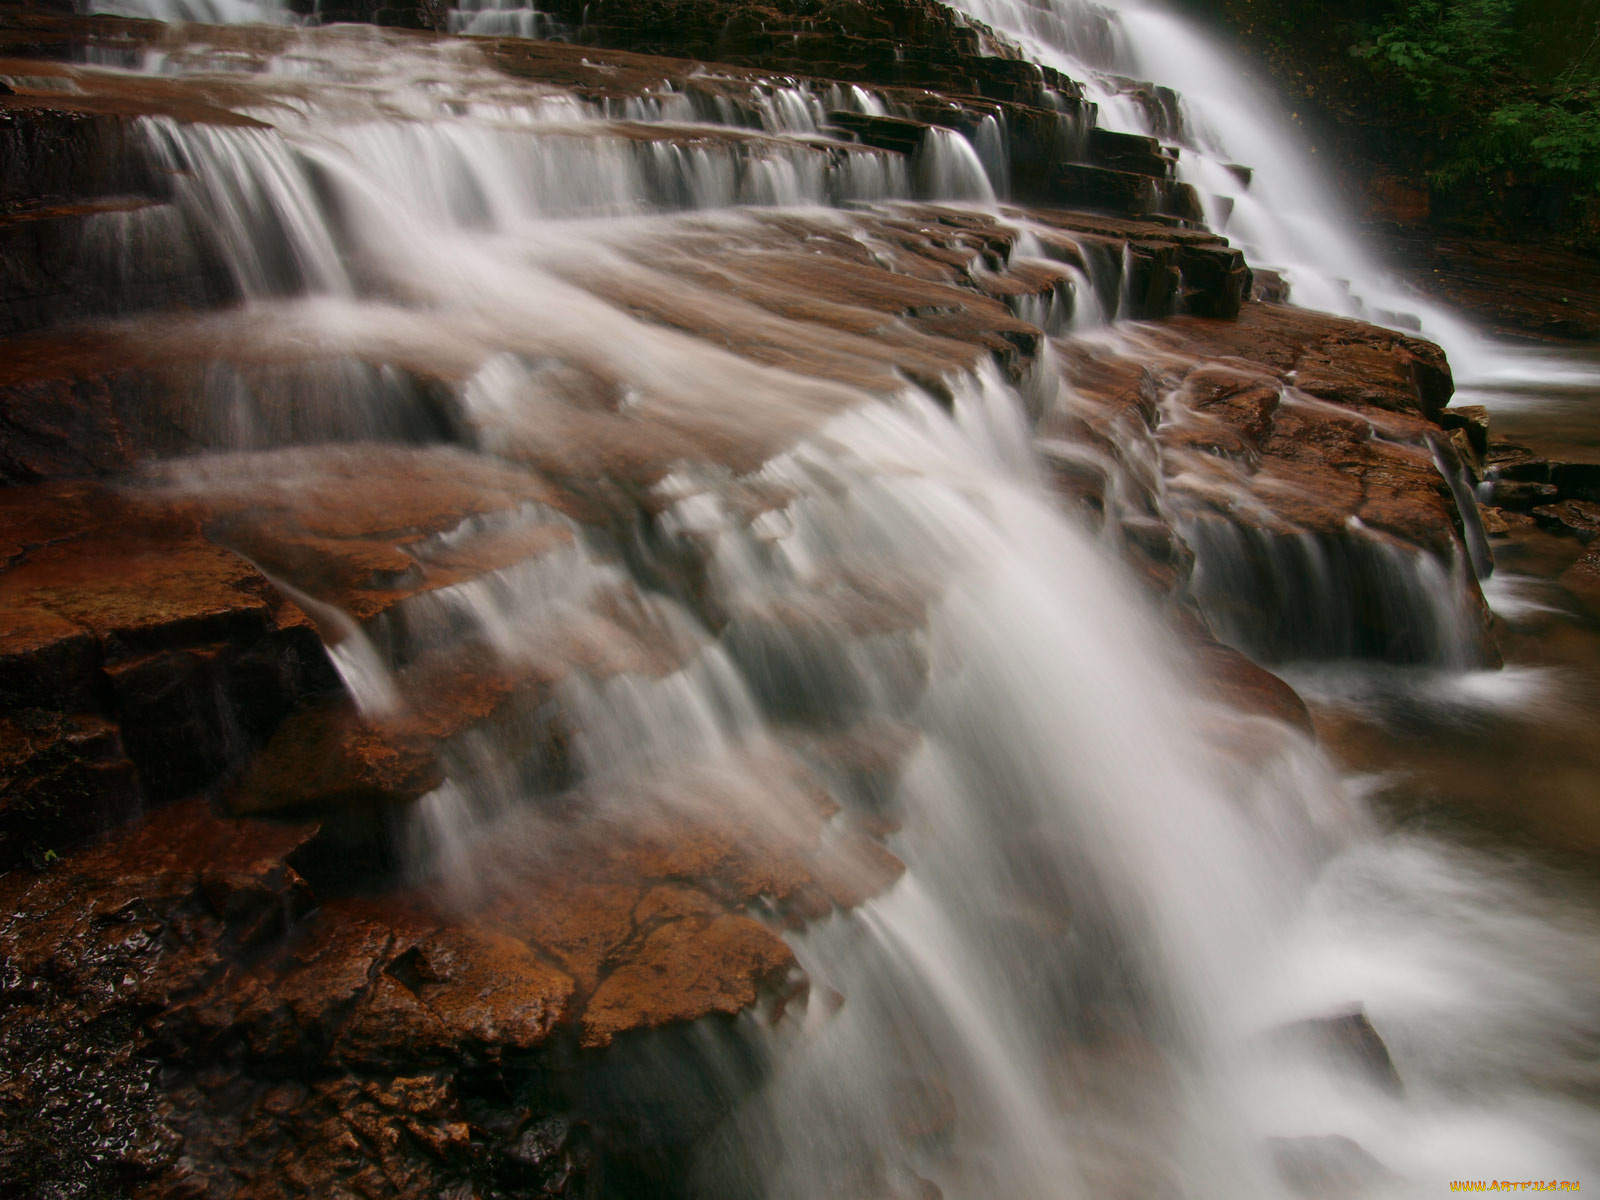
(1557, 135)
(1445, 50)
(1461, 64)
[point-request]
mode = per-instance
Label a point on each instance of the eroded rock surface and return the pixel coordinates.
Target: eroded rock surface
(1288, 444)
(183, 1012)
(138, 662)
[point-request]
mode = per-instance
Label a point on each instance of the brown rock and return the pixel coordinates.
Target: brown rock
(62, 777)
(1577, 518)
(1235, 680)
(119, 613)
(1582, 578)
(1300, 434)
(1351, 1037)
(331, 756)
(683, 969)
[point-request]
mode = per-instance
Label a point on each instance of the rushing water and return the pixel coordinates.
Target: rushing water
(1127, 913)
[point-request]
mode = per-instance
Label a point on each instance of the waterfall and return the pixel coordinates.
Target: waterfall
(1126, 911)
(1280, 208)
(949, 167)
(209, 12)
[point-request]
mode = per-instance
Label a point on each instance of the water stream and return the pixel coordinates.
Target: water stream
(1128, 914)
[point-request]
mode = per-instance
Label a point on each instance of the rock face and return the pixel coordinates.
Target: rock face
(138, 661)
(185, 1013)
(1290, 445)
(1520, 291)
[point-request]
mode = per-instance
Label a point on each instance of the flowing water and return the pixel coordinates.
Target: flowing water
(1130, 918)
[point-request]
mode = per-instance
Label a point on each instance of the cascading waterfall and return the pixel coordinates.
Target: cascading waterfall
(1278, 208)
(1257, 185)
(501, 18)
(1119, 899)
(209, 12)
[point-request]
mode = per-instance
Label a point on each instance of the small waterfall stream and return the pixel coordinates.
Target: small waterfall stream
(1127, 913)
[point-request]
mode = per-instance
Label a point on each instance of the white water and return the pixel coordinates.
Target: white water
(1117, 895)
(209, 12)
(1285, 214)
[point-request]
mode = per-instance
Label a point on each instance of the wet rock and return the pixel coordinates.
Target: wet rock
(133, 642)
(1576, 518)
(1473, 421)
(1326, 1167)
(1394, 376)
(369, 526)
(694, 965)
(1129, 152)
(61, 152)
(1123, 193)
(1351, 1038)
(81, 943)
(58, 428)
(332, 756)
(1235, 680)
(886, 133)
(1215, 280)
(405, 14)
(227, 1031)
(1516, 464)
(1287, 438)
(1467, 455)
(62, 777)
(1173, 270)
(862, 42)
(1500, 522)
(1520, 496)
(1577, 481)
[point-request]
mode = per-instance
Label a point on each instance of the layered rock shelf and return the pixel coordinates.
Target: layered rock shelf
(226, 975)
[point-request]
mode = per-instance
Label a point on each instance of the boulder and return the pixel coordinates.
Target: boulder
(1350, 1038)
(1232, 678)
(1575, 518)
(1327, 1166)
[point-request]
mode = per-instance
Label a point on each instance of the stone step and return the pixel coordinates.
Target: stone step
(899, 134)
(58, 149)
(1130, 152)
(138, 661)
(335, 760)
(1124, 193)
(115, 255)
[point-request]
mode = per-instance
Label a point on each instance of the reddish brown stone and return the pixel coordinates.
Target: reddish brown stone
(314, 1046)
(684, 969)
(118, 611)
(1233, 679)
